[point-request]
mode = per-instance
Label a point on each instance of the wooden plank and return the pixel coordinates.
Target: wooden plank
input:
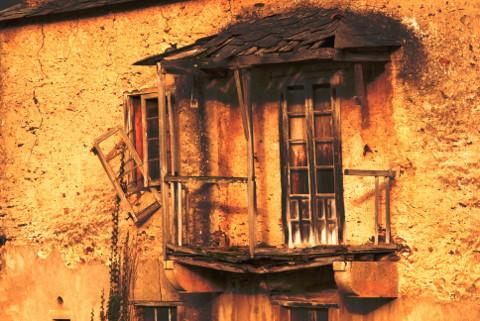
(377, 207)
(251, 186)
(369, 172)
(146, 176)
(241, 101)
(253, 60)
(227, 267)
(153, 303)
(370, 56)
(138, 161)
(163, 156)
(337, 153)
(307, 303)
(247, 268)
(180, 196)
(173, 169)
(206, 179)
(387, 211)
(284, 151)
(311, 159)
(114, 182)
(106, 135)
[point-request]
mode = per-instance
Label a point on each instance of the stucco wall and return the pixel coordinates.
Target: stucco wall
(62, 83)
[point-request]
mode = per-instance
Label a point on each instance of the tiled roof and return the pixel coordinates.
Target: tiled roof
(303, 30)
(21, 10)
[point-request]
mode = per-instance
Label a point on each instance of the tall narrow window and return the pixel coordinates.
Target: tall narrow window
(310, 164)
(143, 128)
(151, 136)
(158, 314)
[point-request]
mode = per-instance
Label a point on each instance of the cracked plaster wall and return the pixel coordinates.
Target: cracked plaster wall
(62, 84)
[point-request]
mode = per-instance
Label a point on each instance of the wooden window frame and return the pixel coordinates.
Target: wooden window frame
(129, 125)
(308, 83)
(162, 305)
(285, 308)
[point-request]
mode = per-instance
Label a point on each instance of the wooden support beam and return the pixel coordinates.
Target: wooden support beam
(251, 187)
(377, 207)
(174, 188)
(370, 56)
(387, 211)
(340, 208)
(180, 196)
(206, 179)
(241, 101)
(163, 123)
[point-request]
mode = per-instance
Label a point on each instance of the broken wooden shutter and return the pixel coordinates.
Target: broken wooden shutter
(122, 155)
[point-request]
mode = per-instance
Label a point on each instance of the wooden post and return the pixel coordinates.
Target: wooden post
(241, 101)
(339, 205)
(174, 210)
(163, 157)
(377, 207)
(387, 210)
(245, 101)
(179, 214)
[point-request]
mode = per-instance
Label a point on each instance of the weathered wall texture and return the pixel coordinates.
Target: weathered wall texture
(62, 83)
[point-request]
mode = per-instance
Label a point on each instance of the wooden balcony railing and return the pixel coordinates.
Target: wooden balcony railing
(179, 202)
(388, 176)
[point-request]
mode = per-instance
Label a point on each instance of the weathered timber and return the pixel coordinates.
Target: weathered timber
(273, 260)
(369, 172)
(114, 179)
(251, 184)
(163, 155)
(206, 179)
(387, 211)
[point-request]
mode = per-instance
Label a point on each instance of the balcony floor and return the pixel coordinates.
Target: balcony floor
(274, 260)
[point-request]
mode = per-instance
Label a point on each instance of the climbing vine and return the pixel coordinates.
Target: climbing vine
(122, 265)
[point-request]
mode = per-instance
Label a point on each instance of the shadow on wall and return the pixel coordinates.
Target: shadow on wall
(364, 306)
(356, 28)
(378, 24)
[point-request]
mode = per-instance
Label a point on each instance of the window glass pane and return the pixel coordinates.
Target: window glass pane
(154, 169)
(152, 107)
(324, 153)
(299, 314)
(298, 155)
(322, 315)
(299, 182)
(153, 148)
(325, 208)
(295, 232)
(305, 231)
(295, 99)
(321, 98)
(152, 128)
(297, 128)
(304, 210)
(325, 181)
(294, 209)
(148, 314)
(323, 126)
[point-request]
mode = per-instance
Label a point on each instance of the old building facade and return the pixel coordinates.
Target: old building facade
(284, 131)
